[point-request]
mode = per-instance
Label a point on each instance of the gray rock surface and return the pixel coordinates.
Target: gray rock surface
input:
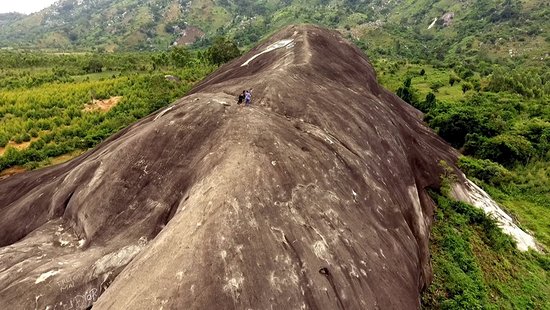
(314, 197)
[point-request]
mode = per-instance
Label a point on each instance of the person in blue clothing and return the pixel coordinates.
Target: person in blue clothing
(247, 97)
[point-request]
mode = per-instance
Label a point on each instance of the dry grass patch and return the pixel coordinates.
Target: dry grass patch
(102, 105)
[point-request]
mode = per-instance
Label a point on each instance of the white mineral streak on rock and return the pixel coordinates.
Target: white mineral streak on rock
(274, 46)
(43, 277)
(116, 259)
(163, 112)
(474, 195)
(417, 207)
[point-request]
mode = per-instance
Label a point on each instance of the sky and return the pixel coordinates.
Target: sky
(24, 6)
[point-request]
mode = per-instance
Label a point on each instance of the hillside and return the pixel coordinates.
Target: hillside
(8, 18)
(465, 29)
(295, 201)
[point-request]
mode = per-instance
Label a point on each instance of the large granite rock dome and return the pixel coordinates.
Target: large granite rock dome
(315, 197)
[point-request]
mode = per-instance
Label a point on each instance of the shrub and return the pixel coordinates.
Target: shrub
(4, 139)
(507, 149)
(455, 124)
(435, 86)
(33, 133)
(466, 86)
(222, 51)
(94, 65)
(453, 78)
(485, 170)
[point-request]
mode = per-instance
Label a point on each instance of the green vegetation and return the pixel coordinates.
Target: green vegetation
(496, 112)
(222, 50)
(504, 132)
(53, 100)
(476, 266)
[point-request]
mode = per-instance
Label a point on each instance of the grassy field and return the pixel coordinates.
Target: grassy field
(391, 75)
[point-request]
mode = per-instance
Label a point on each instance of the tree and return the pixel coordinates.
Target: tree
(466, 86)
(180, 56)
(430, 101)
(454, 125)
(4, 139)
(94, 65)
(426, 105)
(159, 60)
(222, 51)
(406, 92)
(507, 149)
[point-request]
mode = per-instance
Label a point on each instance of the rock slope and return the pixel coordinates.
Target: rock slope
(314, 197)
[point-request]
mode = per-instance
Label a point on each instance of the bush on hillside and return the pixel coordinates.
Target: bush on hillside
(485, 170)
(506, 149)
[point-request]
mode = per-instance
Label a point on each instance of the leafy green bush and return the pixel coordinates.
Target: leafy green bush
(485, 170)
(466, 86)
(453, 78)
(435, 86)
(507, 149)
(454, 125)
(4, 139)
(222, 51)
(24, 137)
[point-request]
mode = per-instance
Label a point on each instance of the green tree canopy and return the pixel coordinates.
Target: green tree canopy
(222, 51)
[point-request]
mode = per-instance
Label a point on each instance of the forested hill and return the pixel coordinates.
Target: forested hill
(503, 28)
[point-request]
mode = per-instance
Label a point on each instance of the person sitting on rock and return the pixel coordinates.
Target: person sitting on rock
(241, 97)
(247, 97)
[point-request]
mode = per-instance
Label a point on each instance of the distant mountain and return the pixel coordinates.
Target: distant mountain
(106, 24)
(419, 28)
(7, 18)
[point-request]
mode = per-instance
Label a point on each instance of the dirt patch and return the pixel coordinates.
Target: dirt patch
(190, 35)
(102, 105)
(19, 146)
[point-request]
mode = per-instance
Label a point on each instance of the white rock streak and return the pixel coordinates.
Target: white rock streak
(162, 113)
(43, 277)
(274, 46)
(432, 24)
(474, 195)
